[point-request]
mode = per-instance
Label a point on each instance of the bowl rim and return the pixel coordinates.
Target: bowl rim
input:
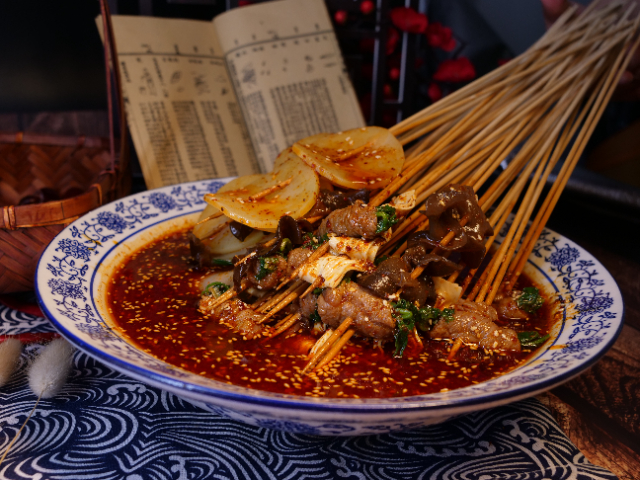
(300, 402)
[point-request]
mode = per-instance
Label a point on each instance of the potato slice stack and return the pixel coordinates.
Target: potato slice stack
(360, 158)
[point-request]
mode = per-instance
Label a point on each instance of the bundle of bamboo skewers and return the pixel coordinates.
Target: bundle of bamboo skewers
(539, 108)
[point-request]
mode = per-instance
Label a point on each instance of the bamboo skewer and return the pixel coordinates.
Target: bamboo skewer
(337, 333)
(285, 324)
(602, 98)
(532, 108)
(283, 303)
(335, 349)
(279, 297)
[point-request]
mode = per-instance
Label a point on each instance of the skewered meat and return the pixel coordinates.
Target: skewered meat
(445, 210)
(265, 260)
(475, 323)
(357, 220)
(394, 274)
(235, 314)
(265, 273)
(372, 316)
(296, 258)
(508, 309)
(434, 265)
(330, 200)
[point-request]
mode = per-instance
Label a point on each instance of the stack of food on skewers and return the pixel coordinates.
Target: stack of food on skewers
(385, 240)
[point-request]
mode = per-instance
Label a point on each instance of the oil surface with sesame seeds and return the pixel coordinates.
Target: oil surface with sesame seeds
(154, 296)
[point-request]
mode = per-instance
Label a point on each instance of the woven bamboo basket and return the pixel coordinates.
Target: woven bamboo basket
(96, 169)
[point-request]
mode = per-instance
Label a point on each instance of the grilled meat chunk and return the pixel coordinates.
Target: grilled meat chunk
(475, 323)
(357, 220)
(235, 314)
(372, 316)
(508, 309)
(296, 258)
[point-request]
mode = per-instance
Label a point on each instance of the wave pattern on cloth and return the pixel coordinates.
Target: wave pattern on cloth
(104, 425)
(14, 322)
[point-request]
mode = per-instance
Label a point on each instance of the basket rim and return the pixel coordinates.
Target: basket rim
(62, 211)
(33, 138)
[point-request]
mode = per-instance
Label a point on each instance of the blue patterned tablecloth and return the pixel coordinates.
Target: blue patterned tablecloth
(105, 425)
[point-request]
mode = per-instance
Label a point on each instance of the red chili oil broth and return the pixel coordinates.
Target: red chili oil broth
(153, 298)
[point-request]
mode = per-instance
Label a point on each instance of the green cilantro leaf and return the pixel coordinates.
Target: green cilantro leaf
(530, 300)
(532, 339)
(216, 289)
(386, 216)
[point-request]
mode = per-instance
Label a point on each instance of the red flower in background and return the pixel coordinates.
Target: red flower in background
(455, 70)
(440, 36)
(393, 37)
(434, 92)
(408, 20)
(340, 17)
(367, 6)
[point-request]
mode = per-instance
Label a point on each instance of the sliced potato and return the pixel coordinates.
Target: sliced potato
(367, 157)
(205, 229)
(225, 277)
(448, 292)
(224, 243)
(260, 200)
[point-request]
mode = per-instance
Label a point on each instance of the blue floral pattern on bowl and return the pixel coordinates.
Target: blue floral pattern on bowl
(68, 280)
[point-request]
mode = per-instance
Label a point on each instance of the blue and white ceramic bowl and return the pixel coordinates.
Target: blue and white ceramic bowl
(74, 269)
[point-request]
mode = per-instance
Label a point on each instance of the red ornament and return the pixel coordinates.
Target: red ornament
(434, 92)
(367, 6)
(455, 70)
(394, 73)
(408, 20)
(502, 61)
(387, 91)
(340, 17)
(244, 3)
(439, 36)
(393, 37)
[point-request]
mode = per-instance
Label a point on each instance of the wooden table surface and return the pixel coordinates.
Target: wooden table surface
(600, 409)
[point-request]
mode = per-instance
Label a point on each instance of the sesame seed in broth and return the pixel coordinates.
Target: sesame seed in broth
(154, 296)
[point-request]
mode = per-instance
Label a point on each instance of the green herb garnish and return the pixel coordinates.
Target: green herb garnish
(380, 259)
(317, 291)
(532, 339)
(285, 247)
(409, 316)
(401, 334)
(447, 314)
(312, 241)
(386, 216)
(216, 262)
(530, 300)
(315, 316)
(216, 289)
(266, 265)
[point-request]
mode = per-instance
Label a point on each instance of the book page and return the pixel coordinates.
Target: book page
(181, 107)
(288, 73)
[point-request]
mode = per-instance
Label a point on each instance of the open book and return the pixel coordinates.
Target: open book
(223, 98)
